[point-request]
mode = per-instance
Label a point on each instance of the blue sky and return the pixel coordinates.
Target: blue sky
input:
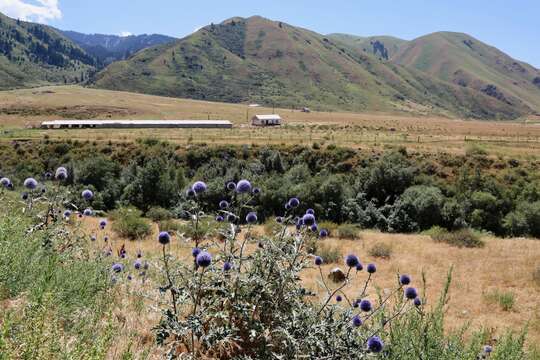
(511, 25)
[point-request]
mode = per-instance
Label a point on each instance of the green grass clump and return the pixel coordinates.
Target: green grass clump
(330, 254)
(505, 299)
(460, 238)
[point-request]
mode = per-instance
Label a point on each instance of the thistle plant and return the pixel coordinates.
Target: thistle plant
(242, 295)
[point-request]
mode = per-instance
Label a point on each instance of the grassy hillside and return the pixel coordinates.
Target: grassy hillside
(463, 60)
(33, 54)
(269, 62)
(382, 46)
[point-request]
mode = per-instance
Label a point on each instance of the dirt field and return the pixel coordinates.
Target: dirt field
(504, 265)
(22, 109)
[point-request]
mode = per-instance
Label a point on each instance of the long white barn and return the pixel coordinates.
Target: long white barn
(135, 124)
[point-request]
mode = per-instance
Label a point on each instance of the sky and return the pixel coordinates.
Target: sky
(510, 25)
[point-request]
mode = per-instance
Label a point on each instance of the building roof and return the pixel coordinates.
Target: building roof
(136, 122)
(268, 117)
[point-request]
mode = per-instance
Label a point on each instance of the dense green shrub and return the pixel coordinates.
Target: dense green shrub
(421, 208)
(460, 238)
(157, 213)
(348, 231)
(128, 222)
(380, 250)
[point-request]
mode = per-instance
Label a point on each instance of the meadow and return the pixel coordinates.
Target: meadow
(107, 268)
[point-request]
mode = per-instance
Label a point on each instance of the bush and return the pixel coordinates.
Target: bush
(460, 238)
(381, 250)
(128, 222)
(330, 254)
(504, 299)
(421, 207)
(157, 213)
(330, 226)
(170, 226)
(348, 231)
(525, 220)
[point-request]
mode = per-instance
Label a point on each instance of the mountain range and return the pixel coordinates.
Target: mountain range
(270, 62)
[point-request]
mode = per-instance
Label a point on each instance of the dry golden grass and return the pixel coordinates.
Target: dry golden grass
(23, 108)
(503, 264)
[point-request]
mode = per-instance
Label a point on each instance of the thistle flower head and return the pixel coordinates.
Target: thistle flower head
(308, 219)
(323, 233)
(117, 267)
(164, 238)
(256, 191)
(339, 298)
(231, 186)
(356, 321)
(488, 349)
(61, 173)
(294, 202)
(243, 186)
(204, 259)
(67, 213)
(223, 204)
(190, 193)
(318, 260)
(351, 260)
(251, 218)
(371, 268)
(279, 220)
(30, 183)
(404, 279)
(103, 223)
(5, 181)
(24, 196)
(227, 266)
(411, 293)
(195, 252)
(199, 187)
(88, 212)
(359, 267)
(365, 305)
(87, 195)
(310, 211)
(375, 344)
(137, 264)
(219, 218)
(417, 302)
(93, 238)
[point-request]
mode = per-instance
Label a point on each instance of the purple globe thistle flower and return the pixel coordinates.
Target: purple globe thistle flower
(61, 173)
(204, 259)
(117, 267)
(24, 196)
(356, 303)
(219, 218)
(411, 293)
(371, 268)
(10, 186)
(256, 191)
(279, 220)
(137, 264)
(251, 218)
(375, 344)
(287, 206)
(67, 213)
(5, 181)
(356, 321)
(43, 190)
(139, 254)
(227, 266)
(294, 202)
(404, 279)
(164, 238)
(359, 267)
(243, 186)
(351, 260)
(199, 187)
(339, 298)
(488, 349)
(365, 305)
(310, 211)
(231, 185)
(88, 212)
(417, 302)
(195, 252)
(102, 224)
(87, 195)
(129, 277)
(314, 228)
(48, 175)
(308, 219)
(318, 260)
(231, 218)
(223, 204)
(323, 233)
(30, 183)
(190, 193)
(105, 238)
(93, 238)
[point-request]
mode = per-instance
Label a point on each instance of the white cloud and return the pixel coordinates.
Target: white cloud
(125, 34)
(40, 11)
